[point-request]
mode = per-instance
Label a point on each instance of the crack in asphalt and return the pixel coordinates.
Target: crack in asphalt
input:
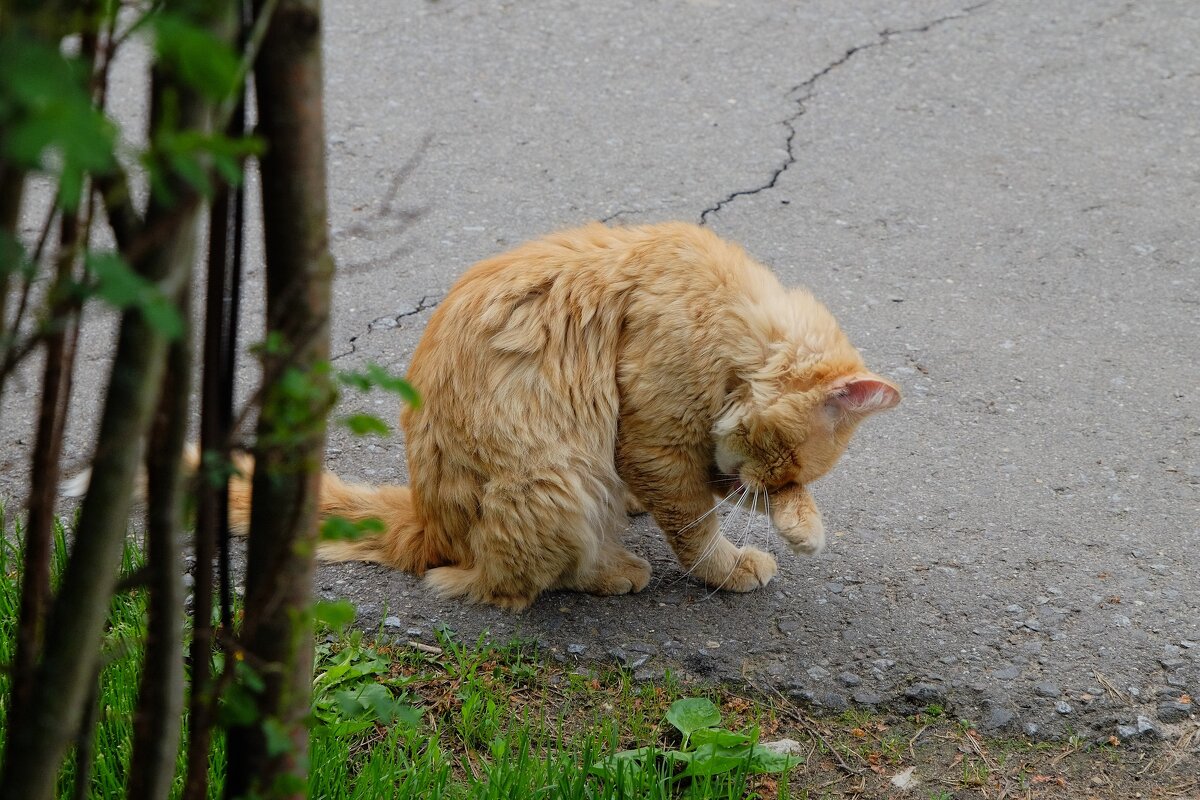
(807, 90)
(426, 302)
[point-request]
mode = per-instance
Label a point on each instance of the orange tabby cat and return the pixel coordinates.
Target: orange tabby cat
(659, 361)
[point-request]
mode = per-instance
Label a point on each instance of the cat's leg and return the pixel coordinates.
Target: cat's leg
(539, 532)
(614, 569)
(680, 500)
(633, 506)
(798, 520)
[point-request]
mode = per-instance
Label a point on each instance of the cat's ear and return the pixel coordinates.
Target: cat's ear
(860, 395)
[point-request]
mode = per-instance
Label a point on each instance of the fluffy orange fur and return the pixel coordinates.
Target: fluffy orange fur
(658, 361)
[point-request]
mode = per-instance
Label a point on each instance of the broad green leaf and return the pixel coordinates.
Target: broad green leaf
(390, 383)
(337, 614)
(341, 529)
(239, 705)
(116, 283)
(277, 738)
(711, 759)
(47, 116)
(379, 701)
(720, 737)
(356, 380)
(195, 55)
(348, 703)
(249, 677)
(376, 376)
(12, 255)
(363, 424)
(162, 315)
(693, 713)
(764, 760)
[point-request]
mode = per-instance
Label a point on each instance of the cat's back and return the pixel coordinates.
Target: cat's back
(596, 263)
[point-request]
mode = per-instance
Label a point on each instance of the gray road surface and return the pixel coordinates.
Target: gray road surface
(999, 201)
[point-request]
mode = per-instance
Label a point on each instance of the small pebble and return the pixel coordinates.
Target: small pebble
(647, 674)
(849, 679)
(391, 622)
(997, 718)
(1063, 707)
(1146, 725)
(1047, 689)
(1174, 711)
(576, 649)
(818, 673)
(924, 693)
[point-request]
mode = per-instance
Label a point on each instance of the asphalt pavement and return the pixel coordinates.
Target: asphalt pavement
(997, 200)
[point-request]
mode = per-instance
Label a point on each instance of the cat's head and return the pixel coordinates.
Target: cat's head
(791, 433)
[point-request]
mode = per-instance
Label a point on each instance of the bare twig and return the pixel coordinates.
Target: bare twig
(812, 728)
(1111, 688)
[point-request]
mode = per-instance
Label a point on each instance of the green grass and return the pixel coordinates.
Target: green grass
(488, 721)
(471, 721)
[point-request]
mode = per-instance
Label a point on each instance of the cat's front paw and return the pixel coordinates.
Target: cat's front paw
(752, 570)
(799, 524)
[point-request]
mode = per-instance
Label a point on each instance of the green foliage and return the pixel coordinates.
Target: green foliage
(48, 118)
(363, 424)
(297, 402)
(336, 614)
(353, 690)
(188, 154)
(12, 256)
(194, 56)
(693, 714)
(707, 751)
(118, 285)
(375, 376)
(337, 528)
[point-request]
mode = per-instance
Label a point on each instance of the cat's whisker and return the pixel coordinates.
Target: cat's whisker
(702, 517)
(740, 545)
(719, 534)
(770, 527)
(708, 548)
(715, 541)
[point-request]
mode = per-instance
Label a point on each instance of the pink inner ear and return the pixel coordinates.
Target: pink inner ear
(865, 396)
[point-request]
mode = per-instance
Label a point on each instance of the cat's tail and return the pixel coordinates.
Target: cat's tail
(401, 544)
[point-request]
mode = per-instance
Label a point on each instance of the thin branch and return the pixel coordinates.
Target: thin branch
(85, 741)
(160, 697)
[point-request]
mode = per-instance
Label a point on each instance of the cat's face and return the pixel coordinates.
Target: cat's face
(794, 437)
